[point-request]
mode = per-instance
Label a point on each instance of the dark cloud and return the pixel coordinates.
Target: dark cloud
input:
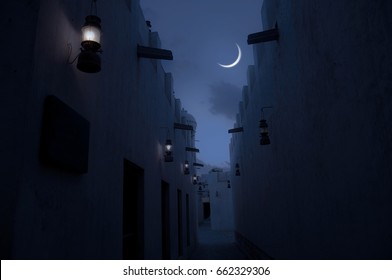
(224, 99)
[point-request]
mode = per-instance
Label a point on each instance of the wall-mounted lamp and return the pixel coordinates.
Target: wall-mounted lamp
(194, 179)
(264, 137)
(237, 170)
(89, 61)
(168, 151)
(228, 184)
(186, 167)
(182, 126)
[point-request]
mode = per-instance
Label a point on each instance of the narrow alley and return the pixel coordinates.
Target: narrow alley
(216, 244)
(128, 132)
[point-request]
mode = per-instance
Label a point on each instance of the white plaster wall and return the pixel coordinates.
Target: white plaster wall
(322, 189)
(15, 67)
(49, 213)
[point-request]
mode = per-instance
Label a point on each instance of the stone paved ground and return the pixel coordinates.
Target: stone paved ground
(216, 245)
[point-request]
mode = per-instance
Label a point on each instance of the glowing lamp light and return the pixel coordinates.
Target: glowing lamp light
(168, 151)
(168, 145)
(89, 61)
(91, 33)
(237, 170)
(186, 167)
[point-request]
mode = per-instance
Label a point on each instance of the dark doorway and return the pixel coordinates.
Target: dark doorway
(188, 231)
(179, 221)
(133, 212)
(206, 210)
(165, 215)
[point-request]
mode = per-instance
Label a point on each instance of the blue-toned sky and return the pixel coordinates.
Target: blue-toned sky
(202, 33)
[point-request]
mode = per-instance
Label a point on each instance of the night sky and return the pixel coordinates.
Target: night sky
(202, 34)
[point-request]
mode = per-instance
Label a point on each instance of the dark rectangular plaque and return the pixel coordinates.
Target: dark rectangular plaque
(64, 137)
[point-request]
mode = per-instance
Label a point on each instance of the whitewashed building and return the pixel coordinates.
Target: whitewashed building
(83, 164)
(322, 188)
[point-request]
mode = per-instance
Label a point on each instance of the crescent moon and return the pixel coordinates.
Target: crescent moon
(235, 62)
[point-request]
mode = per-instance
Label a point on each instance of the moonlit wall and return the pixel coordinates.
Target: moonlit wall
(322, 188)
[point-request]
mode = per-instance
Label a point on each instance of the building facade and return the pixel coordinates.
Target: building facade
(322, 188)
(99, 187)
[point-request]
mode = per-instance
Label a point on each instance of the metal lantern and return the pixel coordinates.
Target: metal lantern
(237, 170)
(168, 145)
(168, 151)
(89, 61)
(264, 137)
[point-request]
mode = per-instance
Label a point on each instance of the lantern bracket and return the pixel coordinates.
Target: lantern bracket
(262, 110)
(69, 49)
(235, 130)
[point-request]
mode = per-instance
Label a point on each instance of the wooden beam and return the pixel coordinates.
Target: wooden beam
(235, 130)
(183, 126)
(264, 36)
(154, 53)
(190, 149)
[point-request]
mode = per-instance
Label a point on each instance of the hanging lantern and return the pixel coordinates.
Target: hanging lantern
(237, 170)
(168, 145)
(168, 151)
(89, 61)
(264, 137)
(194, 179)
(186, 167)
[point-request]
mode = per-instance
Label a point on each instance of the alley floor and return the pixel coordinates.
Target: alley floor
(216, 245)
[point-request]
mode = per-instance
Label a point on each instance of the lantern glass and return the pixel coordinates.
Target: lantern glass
(186, 167)
(91, 34)
(263, 126)
(168, 145)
